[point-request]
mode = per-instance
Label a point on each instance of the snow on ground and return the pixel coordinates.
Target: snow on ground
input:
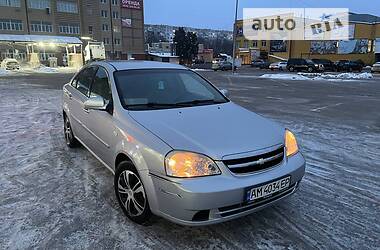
(41, 69)
(55, 198)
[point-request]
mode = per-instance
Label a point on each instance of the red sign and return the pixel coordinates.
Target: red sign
(132, 4)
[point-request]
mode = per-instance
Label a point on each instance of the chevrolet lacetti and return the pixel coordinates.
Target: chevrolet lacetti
(178, 147)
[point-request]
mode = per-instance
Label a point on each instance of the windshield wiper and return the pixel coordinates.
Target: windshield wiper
(151, 105)
(197, 102)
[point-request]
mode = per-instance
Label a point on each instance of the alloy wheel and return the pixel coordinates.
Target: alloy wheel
(131, 193)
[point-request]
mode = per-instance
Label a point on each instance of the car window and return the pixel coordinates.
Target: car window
(192, 86)
(164, 88)
(84, 80)
(100, 85)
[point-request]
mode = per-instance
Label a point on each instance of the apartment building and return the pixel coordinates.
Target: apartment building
(364, 44)
(117, 23)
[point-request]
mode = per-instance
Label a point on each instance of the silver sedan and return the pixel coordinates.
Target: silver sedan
(178, 147)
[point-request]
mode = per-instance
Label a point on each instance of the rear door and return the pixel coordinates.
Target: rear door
(78, 97)
(100, 123)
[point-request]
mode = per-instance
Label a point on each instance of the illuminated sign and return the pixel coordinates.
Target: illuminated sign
(132, 4)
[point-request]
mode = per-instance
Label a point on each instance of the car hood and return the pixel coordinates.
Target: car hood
(215, 130)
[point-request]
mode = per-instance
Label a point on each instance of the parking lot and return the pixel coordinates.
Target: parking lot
(52, 197)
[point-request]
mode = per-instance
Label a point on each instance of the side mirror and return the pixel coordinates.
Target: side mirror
(96, 103)
(225, 92)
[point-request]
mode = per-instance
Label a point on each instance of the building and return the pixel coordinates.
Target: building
(364, 44)
(205, 55)
(162, 57)
(161, 47)
(117, 23)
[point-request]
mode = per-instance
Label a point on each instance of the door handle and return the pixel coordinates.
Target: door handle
(86, 110)
(69, 94)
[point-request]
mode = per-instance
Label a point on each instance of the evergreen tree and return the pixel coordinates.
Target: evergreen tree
(186, 45)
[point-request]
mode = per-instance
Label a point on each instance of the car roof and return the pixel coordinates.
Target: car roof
(137, 64)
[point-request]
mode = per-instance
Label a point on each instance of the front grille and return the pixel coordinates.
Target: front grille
(256, 163)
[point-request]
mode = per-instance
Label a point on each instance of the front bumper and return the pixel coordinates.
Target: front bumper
(215, 199)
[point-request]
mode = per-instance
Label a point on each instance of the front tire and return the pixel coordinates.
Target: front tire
(130, 193)
(71, 142)
(291, 69)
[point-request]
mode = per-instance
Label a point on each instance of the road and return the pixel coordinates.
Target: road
(52, 197)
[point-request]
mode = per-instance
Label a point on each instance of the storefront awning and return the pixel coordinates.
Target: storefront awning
(40, 39)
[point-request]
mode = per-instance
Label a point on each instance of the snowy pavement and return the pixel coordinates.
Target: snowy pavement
(53, 198)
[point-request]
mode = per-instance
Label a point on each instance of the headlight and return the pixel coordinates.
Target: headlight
(186, 164)
(290, 144)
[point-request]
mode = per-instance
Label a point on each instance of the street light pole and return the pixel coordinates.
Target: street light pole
(234, 37)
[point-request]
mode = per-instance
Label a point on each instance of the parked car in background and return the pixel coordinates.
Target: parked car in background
(10, 64)
(375, 67)
(223, 66)
(256, 63)
(177, 146)
(260, 64)
(327, 64)
(350, 66)
(300, 64)
(278, 66)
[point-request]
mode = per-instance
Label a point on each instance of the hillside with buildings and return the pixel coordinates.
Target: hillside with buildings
(218, 40)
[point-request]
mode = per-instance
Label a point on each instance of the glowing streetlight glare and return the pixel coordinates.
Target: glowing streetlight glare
(86, 38)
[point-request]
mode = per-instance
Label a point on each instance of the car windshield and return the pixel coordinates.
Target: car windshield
(164, 89)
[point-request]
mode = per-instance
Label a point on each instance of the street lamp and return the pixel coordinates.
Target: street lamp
(234, 37)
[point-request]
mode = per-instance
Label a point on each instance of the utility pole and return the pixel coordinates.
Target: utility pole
(27, 16)
(112, 35)
(234, 37)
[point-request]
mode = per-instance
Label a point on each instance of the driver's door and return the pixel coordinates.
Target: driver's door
(100, 122)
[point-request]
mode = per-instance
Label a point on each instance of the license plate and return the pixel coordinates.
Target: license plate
(268, 189)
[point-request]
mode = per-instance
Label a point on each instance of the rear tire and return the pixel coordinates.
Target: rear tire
(130, 193)
(291, 69)
(310, 70)
(70, 139)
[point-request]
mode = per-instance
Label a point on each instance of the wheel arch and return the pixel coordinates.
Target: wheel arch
(122, 157)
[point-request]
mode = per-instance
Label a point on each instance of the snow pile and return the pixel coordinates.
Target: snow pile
(319, 76)
(285, 77)
(202, 70)
(3, 72)
(44, 69)
(350, 76)
(47, 70)
(338, 76)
